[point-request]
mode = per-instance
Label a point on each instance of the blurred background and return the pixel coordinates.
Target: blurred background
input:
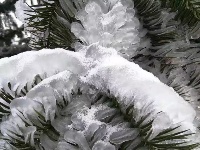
(13, 39)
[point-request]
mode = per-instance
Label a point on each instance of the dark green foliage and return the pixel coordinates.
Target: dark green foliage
(150, 14)
(43, 126)
(17, 143)
(170, 49)
(166, 39)
(52, 23)
(188, 11)
(51, 26)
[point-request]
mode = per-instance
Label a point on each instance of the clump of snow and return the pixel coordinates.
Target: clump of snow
(29, 134)
(77, 138)
(20, 11)
(11, 128)
(89, 117)
(43, 99)
(48, 92)
(25, 105)
(110, 23)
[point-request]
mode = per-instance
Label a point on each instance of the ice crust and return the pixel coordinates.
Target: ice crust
(48, 92)
(105, 23)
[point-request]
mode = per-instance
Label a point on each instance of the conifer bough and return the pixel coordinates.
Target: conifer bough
(94, 98)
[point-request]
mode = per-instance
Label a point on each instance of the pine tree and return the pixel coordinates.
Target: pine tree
(109, 75)
(13, 40)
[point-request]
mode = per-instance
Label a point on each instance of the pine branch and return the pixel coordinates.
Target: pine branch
(165, 37)
(67, 106)
(7, 94)
(50, 26)
(164, 140)
(168, 50)
(150, 13)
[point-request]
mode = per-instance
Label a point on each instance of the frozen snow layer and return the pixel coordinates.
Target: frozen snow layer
(110, 23)
(133, 85)
(22, 68)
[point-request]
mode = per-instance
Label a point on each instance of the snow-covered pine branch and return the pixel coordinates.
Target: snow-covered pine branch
(135, 86)
(93, 98)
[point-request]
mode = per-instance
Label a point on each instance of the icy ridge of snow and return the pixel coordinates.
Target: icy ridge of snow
(131, 84)
(22, 68)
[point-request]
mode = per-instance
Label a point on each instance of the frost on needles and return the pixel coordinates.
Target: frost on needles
(93, 98)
